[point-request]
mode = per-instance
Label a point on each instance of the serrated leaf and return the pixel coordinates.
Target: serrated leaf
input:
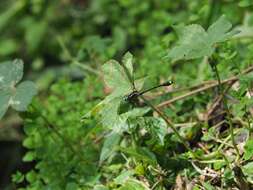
(116, 78)
(23, 96)
(11, 72)
(195, 42)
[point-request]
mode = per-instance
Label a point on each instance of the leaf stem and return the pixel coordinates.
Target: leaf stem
(213, 65)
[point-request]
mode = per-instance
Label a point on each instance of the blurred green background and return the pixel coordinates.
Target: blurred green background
(72, 38)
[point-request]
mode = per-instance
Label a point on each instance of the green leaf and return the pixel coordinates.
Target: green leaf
(140, 153)
(100, 187)
(23, 96)
(220, 30)
(208, 186)
(72, 186)
(157, 128)
(195, 42)
(34, 34)
(248, 169)
(8, 47)
(19, 98)
(31, 176)
(124, 176)
(109, 146)
(128, 62)
(5, 97)
(248, 152)
(109, 113)
(116, 78)
(133, 185)
(11, 73)
(29, 156)
(18, 177)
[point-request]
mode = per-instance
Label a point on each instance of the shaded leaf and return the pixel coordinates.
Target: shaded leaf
(23, 96)
(5, 97)
(19, 98)
(11, 72)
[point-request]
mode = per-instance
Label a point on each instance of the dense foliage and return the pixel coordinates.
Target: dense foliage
(91, 126)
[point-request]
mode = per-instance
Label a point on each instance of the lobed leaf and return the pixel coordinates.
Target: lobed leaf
(23, 96)
(195, 42)
(11, 72)
(5, 97)
(19, 98)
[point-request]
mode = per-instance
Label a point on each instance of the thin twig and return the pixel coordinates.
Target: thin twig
(214, 84)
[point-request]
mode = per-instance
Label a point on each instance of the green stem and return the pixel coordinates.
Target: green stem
(215, 70)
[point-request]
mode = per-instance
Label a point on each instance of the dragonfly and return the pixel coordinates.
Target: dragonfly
(120, 79)
(126, 79)
(133, 96)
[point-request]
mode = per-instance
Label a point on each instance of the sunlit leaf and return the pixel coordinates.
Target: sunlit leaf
(117, 77)
(195, 42)
(248, 149)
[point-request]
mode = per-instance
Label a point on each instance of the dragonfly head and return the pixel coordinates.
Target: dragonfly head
(132, 97)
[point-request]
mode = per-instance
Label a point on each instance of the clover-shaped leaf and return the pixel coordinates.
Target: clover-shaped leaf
(195, 42)
(18, 96)
(118, 77)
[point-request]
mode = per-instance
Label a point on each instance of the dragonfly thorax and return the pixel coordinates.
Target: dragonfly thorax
(132, 97)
